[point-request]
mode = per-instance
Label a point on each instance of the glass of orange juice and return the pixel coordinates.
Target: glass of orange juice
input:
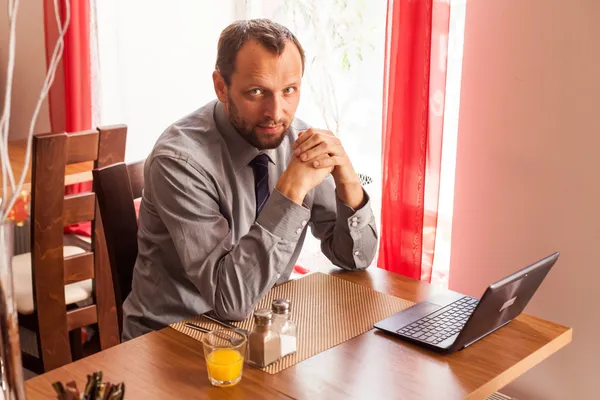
(224, 351)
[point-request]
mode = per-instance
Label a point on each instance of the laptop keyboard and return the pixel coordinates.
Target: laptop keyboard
(440, 325)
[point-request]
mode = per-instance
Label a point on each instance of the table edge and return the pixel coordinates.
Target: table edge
(520, 368)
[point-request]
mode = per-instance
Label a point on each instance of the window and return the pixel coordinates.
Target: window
(155, 65)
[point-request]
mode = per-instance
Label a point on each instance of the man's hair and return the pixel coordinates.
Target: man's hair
(271, 35)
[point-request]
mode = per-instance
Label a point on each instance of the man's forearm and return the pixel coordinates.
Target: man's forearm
(290, 189)
(257, 261)
(351, 194)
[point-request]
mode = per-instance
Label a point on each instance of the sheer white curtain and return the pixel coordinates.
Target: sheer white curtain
(154, 64)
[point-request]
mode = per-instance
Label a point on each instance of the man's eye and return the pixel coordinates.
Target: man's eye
(255, 92)
(289, 90)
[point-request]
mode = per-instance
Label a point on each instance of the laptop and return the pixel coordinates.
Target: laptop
(451, 321)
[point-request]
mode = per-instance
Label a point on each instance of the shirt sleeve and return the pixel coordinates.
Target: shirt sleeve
(348, 237)
(233, 277)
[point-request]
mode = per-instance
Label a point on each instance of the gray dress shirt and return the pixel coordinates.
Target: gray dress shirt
(200, 246)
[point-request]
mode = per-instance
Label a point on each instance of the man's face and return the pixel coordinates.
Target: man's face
(263, 94)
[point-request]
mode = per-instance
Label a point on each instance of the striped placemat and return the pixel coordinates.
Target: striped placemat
(327, 311)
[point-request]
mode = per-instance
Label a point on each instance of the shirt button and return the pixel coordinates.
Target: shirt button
(354, 219)
(303, 224)
(354, 224)
(299, 231)
(356, 253)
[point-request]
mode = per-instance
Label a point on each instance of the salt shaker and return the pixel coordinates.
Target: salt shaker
(284, 326)
(263, 343)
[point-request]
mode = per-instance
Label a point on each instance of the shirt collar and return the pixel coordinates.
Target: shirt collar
(240, 150)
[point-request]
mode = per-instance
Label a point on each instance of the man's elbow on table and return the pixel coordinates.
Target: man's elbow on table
(232, 310)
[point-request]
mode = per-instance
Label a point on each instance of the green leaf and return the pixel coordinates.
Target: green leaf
(345, 62)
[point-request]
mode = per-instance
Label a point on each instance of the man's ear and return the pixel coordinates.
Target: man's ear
(220, 87)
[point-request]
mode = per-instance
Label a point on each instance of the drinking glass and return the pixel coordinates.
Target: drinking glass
(224, 351)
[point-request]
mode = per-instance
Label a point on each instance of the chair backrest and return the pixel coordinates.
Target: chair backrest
(51, 212)
(117, 186)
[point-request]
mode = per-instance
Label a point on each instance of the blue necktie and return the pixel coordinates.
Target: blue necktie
(260, 166)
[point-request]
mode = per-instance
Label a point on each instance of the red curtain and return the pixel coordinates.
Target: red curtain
(414, 84)
(70, 96)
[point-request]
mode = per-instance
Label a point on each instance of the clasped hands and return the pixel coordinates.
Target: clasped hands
(318, 153)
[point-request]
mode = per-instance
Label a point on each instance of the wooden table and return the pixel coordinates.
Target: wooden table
(75, 173)
(168, 364)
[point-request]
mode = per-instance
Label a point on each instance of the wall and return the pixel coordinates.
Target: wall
(527, 171)
(30, 67)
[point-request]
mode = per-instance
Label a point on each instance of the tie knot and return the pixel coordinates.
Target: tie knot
(261, 160)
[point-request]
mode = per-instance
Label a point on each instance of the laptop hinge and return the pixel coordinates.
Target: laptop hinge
(485, 334)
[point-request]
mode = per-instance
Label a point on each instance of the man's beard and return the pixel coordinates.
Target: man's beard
(248, 131)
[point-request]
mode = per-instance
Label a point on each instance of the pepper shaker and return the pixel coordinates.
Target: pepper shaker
(264, 344)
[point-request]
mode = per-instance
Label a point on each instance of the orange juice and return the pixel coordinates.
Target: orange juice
(225, 365)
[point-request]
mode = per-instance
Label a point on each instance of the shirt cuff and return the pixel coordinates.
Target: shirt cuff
(356, 219)
(283, 218)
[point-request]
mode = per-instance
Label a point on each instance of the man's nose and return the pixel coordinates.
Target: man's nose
(274, 108)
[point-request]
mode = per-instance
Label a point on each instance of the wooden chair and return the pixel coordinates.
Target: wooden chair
(61, 276)
(117, 186)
